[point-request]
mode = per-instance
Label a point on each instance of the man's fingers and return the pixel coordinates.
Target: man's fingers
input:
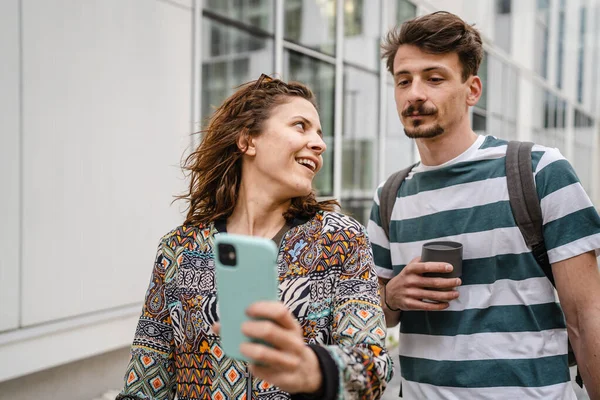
(438, 283)
(427, 267)
(413, 304)
(435, 295)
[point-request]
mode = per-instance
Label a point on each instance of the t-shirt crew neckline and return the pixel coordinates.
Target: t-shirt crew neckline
(465, 155)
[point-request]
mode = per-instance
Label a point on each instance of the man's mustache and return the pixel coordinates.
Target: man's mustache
(421, 110)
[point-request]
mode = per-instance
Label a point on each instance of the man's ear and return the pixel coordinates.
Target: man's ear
(475, 90)
(246, 144)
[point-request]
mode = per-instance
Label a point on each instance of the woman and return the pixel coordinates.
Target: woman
(252, 174)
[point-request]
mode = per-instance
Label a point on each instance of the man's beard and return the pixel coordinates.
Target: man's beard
(416, 133)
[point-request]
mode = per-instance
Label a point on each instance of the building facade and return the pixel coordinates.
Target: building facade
(102, 99)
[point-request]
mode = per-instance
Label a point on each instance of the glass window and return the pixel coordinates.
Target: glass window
(311, 23)
(581, 54)
(359, 209)
(483, 75)
(583, 145)
(353, 17)
(561, 44)
(479, 123)
(231, 57)
(542, 35)
(503, 25)
(405, 10)
(399, 149)
(510, 92)
(320, 77)
(549, 99)
(361, 30)
(495, 84)
(360, 128)
(256, 13)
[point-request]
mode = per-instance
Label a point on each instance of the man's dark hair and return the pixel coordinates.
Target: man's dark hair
(437, 33)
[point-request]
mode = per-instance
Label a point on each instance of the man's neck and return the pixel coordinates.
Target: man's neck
(441, 149)
(256, 215)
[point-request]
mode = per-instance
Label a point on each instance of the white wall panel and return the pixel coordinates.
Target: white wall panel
(9, 164)
(106, 120)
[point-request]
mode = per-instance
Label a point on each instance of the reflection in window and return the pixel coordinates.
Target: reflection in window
(561, 44)
(361, 43)
(359, 209)
(231, 57)
(399, 150)
(582, 120)
(551, 131)
(542, 35)
(581, 53)
(405, 10)
(483, 75)
(583, 145)
(479, 123)
(320, 77)
(549, 100)
(257, 13)
(503, 25)
(311, 23)
(359, 132)
(353, 17)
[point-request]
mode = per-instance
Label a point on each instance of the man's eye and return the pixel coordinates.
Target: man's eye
(402, 83)
(436, 80)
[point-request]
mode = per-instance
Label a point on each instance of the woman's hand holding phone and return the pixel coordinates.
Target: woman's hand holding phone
(288, 362)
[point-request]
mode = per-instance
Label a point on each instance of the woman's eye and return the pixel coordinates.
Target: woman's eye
(300, 124)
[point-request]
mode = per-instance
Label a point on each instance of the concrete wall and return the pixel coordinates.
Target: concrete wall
(95, 99)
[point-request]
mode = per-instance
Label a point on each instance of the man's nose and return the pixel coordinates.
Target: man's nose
(417, 92)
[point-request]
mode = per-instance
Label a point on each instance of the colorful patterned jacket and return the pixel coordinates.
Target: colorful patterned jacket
(326, 278)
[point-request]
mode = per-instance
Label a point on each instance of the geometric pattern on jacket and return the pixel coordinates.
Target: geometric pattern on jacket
(326, 278)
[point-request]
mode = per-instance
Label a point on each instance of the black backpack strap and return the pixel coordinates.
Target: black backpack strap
(525, 203)
(387, 199)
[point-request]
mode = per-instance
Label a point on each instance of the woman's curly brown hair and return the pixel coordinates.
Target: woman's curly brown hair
(215, 167)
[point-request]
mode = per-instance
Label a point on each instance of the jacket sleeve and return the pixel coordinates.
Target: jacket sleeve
(358, 330)
(150, 374)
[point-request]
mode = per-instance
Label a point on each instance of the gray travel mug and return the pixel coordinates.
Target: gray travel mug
(443, 251)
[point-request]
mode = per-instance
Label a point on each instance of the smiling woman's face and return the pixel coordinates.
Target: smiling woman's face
(287, 154)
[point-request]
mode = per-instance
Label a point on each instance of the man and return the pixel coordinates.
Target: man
(496, 332)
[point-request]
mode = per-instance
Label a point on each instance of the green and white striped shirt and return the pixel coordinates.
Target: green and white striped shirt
(505, 336)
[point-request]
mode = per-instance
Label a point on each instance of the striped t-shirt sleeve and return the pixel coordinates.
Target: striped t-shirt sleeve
(571, 222)
(379, 241)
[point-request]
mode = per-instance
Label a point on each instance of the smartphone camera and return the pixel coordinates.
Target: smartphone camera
(227, 254)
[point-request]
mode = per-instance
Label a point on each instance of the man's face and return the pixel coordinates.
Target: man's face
(430, 94)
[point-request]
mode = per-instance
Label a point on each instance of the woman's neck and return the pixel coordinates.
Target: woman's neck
(257, 215)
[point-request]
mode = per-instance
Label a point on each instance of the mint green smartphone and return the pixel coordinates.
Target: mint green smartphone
(246, 272)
